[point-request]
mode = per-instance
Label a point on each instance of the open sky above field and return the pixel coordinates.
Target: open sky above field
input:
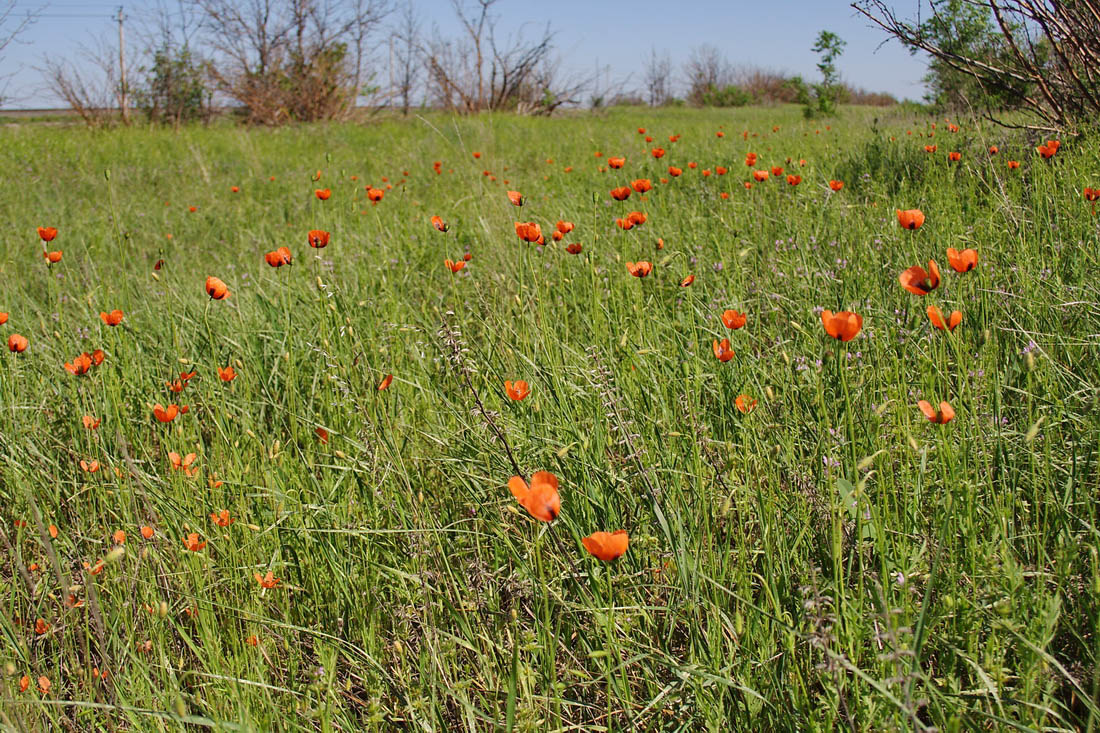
(613, 37)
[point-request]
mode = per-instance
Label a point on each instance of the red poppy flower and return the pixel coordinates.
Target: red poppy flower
(794, 180)
(636, 218)
(564, 226)
(674, 171)
(385, 383)
(89, 422)
(1091, 194)
(227, 373)
(616, 162)
(165, 414)
(516, 391)
(1013, 164)
(692, 165)
(954, 157)
(17, 344)
(193, 542)
(437, 222)
(375, 194)
(919, 282)
(639, 269)
(322, 435)
(687, 281)
(963, 261)
(454, 266)
(744, 403)
(606, 546)
(930, 148)
(516, 198)
(624, 224)
(183, 463)
(760, 176)
(750, 160)
(622, 193)
(477, 154)
(52, 257)
(734, 320)
(528, 231)
(80, 365)
(3, 318)
(777, 171)
(935, 315)
(216, 289)
(843, 326)
(911, 218)
(47, 234)
(641, 185)
(318, 238)
(658, 152)
(540, 498)
(279, 257)
(113, 318)
(721, 170)
(574, 249)
(322, 193)
(1049, 149)
(722, 350)
(944, 414)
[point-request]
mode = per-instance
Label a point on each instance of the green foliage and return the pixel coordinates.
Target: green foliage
(175, 89)
(822, 98)
(727, 96)
(829, 561)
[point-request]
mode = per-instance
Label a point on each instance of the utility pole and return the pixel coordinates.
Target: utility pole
(122, 101)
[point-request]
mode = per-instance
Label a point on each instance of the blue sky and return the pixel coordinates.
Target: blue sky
(591, 34)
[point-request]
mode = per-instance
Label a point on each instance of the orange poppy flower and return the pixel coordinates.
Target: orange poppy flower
(437, 222)
(760, 176)
(954, 157)
(606, 546)
(637, 218)
(687, 281)
(919, 282)
(193, 543)
(322, 435)
(793, 180)
(722, 350)
(17, 344)
(90, 423)
(182, 464)
(843, 326)
(719, 134)
(639, 269)
(658, 152)
(516, 198)
(692, 165)
(222, 518)
(47, 234)
(1090, 194)
(930, 148)
(836, 185)
(375, 194)
(528, 231)
(777, 171)
(734, 320)
(557, 236)
(165, 414)
(52, 258)
(3, 318)
(147, 532)
(279, 257)
(574, 249)
(963, 261)
(706, 172)
(641, 185)
(721, 170)
(386, 380)
(477, 154)
(1013, 164)
(266, 581)
(318, 238)
(622, 193)
(113, 318)
(454, 266)
(744, 403)
(322, 193)
(935, 315)
(235, 189)
(564, 226)
(748, 185)
(540, 498)
(119, 537)
(89, 466)
(44, 684)
(216, 288)
(227, 373)
(616, 162)
(1049, 149)
(945, 414)
(516, 390)
(80, 365)
(674, 171)
(910, 218)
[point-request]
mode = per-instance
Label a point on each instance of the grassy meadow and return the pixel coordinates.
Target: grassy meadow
(824, 558)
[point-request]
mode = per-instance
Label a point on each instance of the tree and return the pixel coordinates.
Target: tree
(825, 95)
(707, 70)
(175, 88)
(406, 50)
(290, 60)
(1038, 55)
(658, 78)
(12, 24)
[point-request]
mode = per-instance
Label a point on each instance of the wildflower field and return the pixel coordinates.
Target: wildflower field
(327, 428)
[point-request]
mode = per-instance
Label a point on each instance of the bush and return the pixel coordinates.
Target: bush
(175, 88)
(726, 96)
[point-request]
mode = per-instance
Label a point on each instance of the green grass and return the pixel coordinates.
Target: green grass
(829, 560)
